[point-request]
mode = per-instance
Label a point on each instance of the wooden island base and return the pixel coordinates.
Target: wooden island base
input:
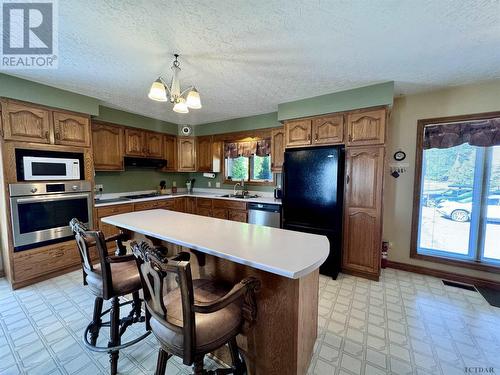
(282, 339)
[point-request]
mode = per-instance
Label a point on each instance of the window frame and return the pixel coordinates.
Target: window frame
(419, 153)
(249, 181)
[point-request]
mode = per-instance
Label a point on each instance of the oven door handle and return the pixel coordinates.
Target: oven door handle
(52, 198)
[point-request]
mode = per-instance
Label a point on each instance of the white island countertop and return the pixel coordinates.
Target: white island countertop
(282, 252)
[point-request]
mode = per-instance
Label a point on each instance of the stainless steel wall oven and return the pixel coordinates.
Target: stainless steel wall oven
(40, 212)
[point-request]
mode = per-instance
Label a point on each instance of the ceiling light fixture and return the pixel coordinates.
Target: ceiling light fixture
(182, 100)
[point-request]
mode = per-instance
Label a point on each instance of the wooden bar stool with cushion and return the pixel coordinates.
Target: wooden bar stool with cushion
(197, 317)
(112, 277)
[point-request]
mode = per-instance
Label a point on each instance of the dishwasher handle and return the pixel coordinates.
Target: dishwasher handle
(264, 207)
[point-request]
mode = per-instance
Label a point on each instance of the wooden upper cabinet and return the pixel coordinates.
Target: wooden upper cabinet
(363, 210)
(154, 145)
(71, 130)
(134, 142)
(24, 123)
(277, 149)
(328, 130)
(366, 127)
(186, 154)
(208, 155)
(107, 142)
(298, 133)
(170, 151)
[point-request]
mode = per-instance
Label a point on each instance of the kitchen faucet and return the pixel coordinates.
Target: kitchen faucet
(234, 188)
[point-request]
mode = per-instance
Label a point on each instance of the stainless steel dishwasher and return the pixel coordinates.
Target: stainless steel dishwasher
(264, 214)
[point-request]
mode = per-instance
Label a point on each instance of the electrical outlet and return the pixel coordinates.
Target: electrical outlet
(99, 187)
(217, 184)
(209, 183)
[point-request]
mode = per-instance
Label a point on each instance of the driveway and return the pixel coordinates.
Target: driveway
(443, 234)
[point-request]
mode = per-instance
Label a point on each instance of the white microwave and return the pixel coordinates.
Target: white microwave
(41, 169)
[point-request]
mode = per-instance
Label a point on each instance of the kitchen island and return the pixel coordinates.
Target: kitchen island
(286, 262)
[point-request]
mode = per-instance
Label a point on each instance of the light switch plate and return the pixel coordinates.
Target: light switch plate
(209, 183)
(217, 184)
(99, 187)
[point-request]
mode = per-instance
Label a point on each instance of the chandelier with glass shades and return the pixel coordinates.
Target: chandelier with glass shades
(182, 100)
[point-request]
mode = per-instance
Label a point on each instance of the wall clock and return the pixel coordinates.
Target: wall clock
(399, 155)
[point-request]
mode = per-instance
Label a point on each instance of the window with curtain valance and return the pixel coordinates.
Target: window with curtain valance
(248, 160)
(457, 186)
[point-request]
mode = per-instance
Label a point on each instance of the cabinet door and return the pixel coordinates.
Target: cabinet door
(134, 142)
(186, 154)
(180, 204)
(328, 130)
(298, 133)
(363, 211)
(204, 211)
(277, 149)
(240, 216)
(107, 143)
(190, 205)
(204, 154)
(154, 145)
(170, 147)
(366, 127)
(71, 130)
(220, 213)
(23, 123)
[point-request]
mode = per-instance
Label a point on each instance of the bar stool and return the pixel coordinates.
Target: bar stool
(111, 278)
(198, 316)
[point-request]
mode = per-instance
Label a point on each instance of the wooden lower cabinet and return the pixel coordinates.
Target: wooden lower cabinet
(204, 211)
(220, 213)
(38, 262)
(190, 205)
(237, 215)
(106, 229)
(180, 204)
(363, 211)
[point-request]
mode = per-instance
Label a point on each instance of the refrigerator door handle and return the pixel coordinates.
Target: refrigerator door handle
(347, 179)
(283, 169)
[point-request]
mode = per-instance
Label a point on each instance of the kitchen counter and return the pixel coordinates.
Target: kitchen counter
(281, 340)
(282, 252)
(200, 194)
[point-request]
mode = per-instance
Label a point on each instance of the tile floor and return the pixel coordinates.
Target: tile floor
(404, 324)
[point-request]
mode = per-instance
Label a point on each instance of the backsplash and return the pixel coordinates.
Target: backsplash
(138, 179)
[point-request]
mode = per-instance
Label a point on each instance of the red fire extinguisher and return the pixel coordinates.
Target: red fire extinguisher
(385, 249)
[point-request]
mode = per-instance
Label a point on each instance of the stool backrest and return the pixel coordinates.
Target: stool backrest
(85, 240)
(154, 268)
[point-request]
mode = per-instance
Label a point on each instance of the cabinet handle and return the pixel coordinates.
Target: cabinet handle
(316, 137)
(309, 137)
(347, 179)
(58, 136)
(47, 134)
(59, 253)
(350, 137)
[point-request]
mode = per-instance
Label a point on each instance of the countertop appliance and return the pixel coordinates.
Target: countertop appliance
(50, 168)
(40, 212)
(264, 214)
(313, 197)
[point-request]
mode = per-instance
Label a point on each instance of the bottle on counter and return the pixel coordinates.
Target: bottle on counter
(174, 187)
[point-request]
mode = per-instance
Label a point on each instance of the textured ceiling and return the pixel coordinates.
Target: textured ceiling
(245, 57)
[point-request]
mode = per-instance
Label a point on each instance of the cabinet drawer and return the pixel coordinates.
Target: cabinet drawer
(114, 210)
(220, 213)
(204, 202)
(32, 263)
(235, 205)
(240, 216)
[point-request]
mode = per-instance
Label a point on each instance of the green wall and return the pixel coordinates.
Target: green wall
(267, 120)
(117, 116)
(363, 97)
(137, 179)
(22, 89)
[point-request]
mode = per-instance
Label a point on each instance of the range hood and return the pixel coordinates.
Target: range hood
(144, 162)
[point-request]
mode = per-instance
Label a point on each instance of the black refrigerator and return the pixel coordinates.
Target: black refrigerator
(313, 180)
